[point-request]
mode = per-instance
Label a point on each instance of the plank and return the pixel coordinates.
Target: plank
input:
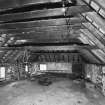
(30, 25)
(70, 11)
(51, 24)
(48, 48)
(47, 36)
(40, 29)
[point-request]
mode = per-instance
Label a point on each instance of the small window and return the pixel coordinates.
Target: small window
(2, 72)
(43, 67)
(26, 68)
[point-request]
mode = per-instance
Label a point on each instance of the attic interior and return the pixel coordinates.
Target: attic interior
(52, 52)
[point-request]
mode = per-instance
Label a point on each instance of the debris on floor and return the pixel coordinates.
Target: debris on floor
(62, 92)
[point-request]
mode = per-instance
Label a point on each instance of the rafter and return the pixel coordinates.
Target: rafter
(99, 54)
(86, 53)
(93, 38)
(96, 32)
(96, 26)
(96, 6)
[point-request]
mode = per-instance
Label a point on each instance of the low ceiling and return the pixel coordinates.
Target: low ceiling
(52, 25)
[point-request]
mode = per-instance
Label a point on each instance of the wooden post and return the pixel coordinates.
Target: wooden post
(17, 67)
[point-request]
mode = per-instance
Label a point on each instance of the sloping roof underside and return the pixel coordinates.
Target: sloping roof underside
(63, 24)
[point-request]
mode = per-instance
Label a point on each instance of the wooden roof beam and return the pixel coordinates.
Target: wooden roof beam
(49, 48)
(40, 14)
(5, 4)
(51, 24)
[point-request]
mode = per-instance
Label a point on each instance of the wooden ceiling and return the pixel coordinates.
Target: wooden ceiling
(56, 25)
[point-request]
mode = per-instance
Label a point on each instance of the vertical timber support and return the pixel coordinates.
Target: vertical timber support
(18, 71)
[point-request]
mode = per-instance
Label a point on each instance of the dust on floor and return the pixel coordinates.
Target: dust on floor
(61, 92)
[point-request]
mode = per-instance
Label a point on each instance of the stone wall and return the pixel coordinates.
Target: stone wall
(96, 73)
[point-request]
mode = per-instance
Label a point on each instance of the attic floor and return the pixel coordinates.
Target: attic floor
(61, 92)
